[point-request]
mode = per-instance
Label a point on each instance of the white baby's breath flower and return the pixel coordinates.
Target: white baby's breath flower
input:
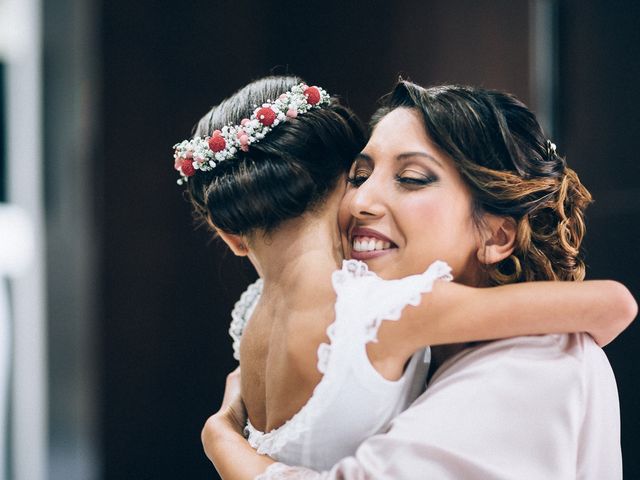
(196, 154)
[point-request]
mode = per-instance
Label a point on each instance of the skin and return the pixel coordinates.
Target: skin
(393, 183)
(287, 363)
(399, 178)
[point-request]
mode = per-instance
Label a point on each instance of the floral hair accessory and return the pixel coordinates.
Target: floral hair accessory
(551, 148)
(204, 153)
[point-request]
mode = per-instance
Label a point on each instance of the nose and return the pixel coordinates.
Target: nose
(367, 201)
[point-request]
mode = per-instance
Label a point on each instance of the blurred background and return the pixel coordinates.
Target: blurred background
(114, 309)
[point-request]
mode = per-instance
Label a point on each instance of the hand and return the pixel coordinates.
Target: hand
(232, 390)
(231, 418)
(232, 410)
(222, 439)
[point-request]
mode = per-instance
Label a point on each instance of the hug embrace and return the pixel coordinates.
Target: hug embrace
(421, 310)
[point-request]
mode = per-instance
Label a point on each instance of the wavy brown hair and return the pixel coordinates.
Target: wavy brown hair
(512, 169)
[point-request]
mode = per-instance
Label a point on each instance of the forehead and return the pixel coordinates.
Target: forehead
(399, 135)
(402, 128)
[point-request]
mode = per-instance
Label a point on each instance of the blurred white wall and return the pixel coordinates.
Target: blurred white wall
(72, 93)
(20, 52)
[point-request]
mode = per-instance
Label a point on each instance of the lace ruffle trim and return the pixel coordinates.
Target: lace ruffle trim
(410, 294)
(242, 312)
(272, 442)
(423, 283)
(280, 471)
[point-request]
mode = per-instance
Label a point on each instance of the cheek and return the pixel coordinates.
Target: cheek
(442, 228)
(344, 214)
(429, 216)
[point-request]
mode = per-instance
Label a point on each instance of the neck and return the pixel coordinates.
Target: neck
(302, 250)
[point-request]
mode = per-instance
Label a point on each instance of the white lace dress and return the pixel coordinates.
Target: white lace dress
(352, 401)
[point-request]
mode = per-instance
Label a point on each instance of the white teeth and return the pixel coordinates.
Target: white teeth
(366, 244)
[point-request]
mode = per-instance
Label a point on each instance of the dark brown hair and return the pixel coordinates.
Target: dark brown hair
(284, 175)
(512, 170)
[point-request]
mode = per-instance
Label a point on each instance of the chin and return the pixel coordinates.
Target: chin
(383, 267)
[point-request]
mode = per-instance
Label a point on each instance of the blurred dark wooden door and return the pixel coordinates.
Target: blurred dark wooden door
(167, 290)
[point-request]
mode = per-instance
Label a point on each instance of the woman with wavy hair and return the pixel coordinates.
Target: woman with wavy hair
(467, 176)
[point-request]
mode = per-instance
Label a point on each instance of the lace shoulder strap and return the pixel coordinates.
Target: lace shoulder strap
(242, 312)
(368, 299)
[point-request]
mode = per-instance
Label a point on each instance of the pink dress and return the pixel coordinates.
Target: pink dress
(526, 408)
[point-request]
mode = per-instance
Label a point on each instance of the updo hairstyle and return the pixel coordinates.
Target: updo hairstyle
(512, 169)
(282, 176)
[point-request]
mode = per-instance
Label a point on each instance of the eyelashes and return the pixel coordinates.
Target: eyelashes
(417, 181)
(358, 179)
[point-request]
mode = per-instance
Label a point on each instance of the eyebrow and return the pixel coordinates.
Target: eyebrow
(403, 156)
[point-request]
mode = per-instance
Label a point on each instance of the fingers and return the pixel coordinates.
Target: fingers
(232, 388)
(237, 414)
(233, 377)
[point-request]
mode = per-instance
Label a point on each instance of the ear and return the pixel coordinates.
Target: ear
(499, 237)
(235, 242)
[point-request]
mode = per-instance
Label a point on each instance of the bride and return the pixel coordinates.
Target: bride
(266, 170)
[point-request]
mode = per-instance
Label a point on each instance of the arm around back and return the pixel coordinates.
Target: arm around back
(454, 313)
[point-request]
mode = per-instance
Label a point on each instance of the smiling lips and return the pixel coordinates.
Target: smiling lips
(367, 243)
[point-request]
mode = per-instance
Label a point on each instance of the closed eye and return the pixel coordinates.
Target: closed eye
(415, 181)
(359, 174)
(357, 180)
